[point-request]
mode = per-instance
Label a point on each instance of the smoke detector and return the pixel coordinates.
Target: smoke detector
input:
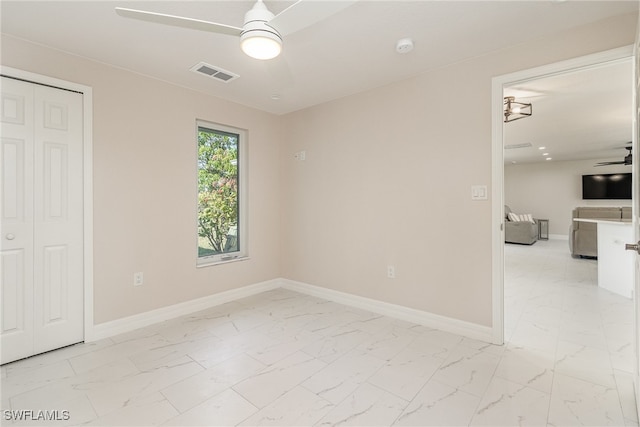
(404, 45)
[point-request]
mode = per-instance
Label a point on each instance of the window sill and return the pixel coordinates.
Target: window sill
(202, 264)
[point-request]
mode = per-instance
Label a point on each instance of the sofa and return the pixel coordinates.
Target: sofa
(520, 232)
(583, 236)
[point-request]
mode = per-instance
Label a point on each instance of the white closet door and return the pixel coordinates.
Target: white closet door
(16, 230)
(42, 290)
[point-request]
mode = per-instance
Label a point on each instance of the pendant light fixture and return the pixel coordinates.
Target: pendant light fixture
(514, 110)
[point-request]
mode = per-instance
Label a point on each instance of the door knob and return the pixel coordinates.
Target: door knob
(632, 247)
(10, 236)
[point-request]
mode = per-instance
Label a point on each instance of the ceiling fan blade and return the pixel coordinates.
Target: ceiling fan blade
(304, 13)
(178, 21)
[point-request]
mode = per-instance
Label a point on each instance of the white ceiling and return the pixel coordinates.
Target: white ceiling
(585, 114)
(350, 52)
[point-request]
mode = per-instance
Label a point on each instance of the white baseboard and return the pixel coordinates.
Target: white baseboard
(130, 323)
(559, 237)
(447, 324)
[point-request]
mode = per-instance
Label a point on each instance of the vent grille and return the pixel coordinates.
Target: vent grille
(214, 72)
(512, 146)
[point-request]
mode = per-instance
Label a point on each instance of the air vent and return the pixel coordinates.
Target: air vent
(214, 72)
(512, 146)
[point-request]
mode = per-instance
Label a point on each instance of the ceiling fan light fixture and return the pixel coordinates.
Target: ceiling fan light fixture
(261, 44)
(261, 34)
(258, 39)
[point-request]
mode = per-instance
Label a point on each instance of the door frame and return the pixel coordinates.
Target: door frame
(87, 167)
(497, 179)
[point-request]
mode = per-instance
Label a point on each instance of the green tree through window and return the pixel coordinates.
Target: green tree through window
(218, 202)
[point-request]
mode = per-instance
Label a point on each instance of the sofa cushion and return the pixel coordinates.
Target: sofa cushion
(520, 217)
(598, 213)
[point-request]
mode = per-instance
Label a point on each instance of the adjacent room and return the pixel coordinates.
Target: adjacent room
(195, 232)
(568, 288)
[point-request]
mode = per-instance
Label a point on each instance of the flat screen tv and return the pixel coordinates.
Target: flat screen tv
(606, 186)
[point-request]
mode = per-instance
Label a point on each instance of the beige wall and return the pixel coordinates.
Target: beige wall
(145, 184)
(552, 190)
(388, 180)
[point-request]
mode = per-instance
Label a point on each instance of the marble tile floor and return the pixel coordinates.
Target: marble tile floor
(288, 359)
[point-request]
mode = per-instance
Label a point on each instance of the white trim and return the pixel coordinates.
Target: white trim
(447, 324)
(87, 102)
(130, 323)
(87, 115)
(497, 218)
(559, 237)
(635, 214)
(497, 184)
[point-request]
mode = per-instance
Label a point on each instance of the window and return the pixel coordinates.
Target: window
(221, 232)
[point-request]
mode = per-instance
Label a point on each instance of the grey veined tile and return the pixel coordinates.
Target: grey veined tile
(507, 404)
(439, 404)
(366, 406)
(578, 402)
(468, 370)
(272, 382)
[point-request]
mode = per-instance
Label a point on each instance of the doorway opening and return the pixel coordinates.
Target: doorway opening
(565, 325)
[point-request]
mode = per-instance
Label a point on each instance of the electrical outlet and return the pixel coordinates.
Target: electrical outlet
(138, 279)
(391, 272)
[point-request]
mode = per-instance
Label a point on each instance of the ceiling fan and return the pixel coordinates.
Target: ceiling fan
(261, 34)
(627, 160)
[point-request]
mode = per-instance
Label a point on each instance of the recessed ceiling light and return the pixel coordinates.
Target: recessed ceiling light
(545, 154)
(541, 148)
(548, 158)
(275, 97)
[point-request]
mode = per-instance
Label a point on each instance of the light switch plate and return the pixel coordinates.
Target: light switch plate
(479, 192)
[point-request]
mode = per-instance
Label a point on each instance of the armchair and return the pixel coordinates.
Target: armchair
(521, 232)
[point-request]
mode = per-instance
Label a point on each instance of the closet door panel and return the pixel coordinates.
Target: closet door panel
(58, 213)
(41, 207)
(16, 214)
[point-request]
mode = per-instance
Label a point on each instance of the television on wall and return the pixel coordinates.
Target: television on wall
(606, 186)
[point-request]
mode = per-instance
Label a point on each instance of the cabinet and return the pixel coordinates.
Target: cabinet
(615, 265)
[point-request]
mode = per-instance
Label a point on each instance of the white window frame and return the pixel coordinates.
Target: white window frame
(242, 253)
